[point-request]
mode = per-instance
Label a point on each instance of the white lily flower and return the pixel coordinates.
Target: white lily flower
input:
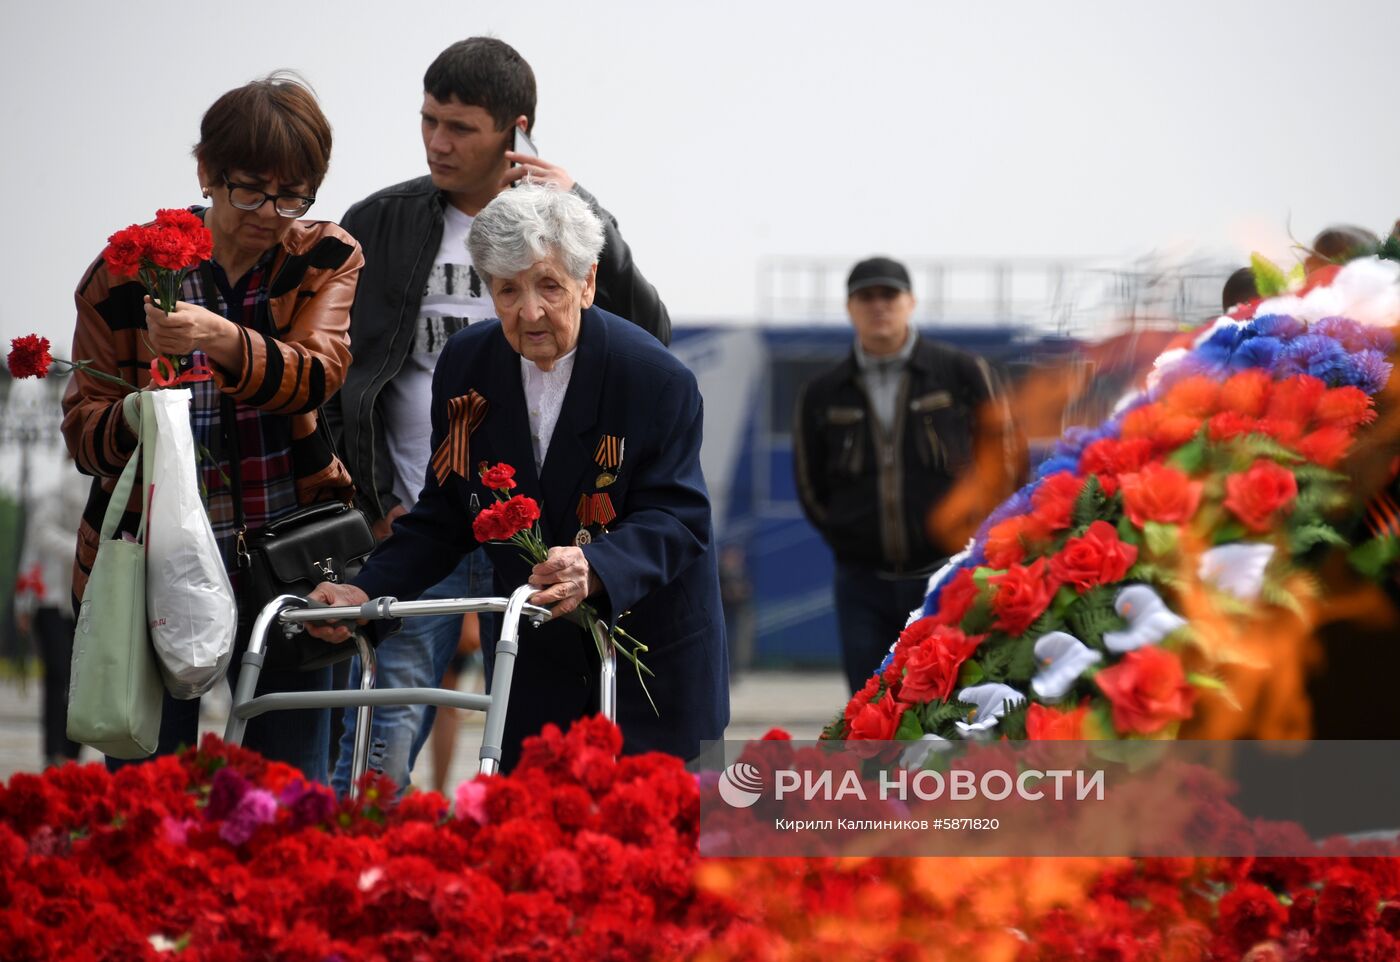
(1149, 620)
(989, 702)
(1236, 569)
(1064, 658)
(914, 757)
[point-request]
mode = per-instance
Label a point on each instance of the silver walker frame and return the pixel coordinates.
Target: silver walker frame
(294, 610)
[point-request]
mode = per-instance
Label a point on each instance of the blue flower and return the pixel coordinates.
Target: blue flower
(1315, 354)
(1056, 464)
(1225, 338)
(1261, 352)
(1369, 371)
(1072, 443)
(1344, 331)
(1278, 325)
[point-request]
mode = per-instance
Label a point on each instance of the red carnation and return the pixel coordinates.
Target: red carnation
(1100, 557)
(499, 477)
(1195, 396)
(1325, 446)
(1247, 393)
(956, 598)
(520, 513)
(1147, 689)
(1295, 399)
(1049, 724)
(877, 721)
(123, 251)
(931, 670)
(29, 356)
(1255, 495)
(1160, 493)
(1345, 407)
(1108, 456)
(1053, 500)
(1008, 541)
(491, 525)
(1230, 424)
(1165, 428)
(862, 698)
(1022, 594)
(1280, 429)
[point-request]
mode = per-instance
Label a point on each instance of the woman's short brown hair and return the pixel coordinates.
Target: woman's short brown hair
(271, 126)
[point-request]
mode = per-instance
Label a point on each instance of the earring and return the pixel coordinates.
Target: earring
(205, 191)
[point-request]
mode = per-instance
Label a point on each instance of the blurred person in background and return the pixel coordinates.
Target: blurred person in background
(420, 287)
(270, 314)
(878, 442)
(45, 610)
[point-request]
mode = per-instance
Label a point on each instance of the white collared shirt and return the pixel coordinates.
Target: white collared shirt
(544, 399)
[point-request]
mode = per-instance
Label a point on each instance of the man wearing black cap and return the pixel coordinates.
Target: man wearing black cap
(878, 441)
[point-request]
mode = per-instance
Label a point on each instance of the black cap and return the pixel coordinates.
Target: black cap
(878, 272)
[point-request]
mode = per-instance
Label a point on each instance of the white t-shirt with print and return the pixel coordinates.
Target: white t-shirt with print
(454, 297)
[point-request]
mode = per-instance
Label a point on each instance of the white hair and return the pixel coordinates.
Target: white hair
(531, 223)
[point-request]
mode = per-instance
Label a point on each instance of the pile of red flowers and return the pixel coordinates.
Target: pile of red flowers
(221, 855)
(176, 241)
(217, 854)
(506, 519)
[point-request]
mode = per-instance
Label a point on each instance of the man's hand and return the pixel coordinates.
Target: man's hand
(193, 328)
(385, 525)
(329, 593)
(565, 580)
(538, 171)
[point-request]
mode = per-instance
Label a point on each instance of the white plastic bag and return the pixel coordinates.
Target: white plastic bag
(189, 600)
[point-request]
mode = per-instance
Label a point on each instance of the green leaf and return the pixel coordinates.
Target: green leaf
(1371, 558)
(1269, 279)
(1212, 683)
(909, 728)
(1022, 665)
(1153, 574)
(1129, 533)
(1064, 597)
(1191, 456)
(982, 574)
(1088, 506)
(1012, 725)
(970, 674)
(1161, 538)
(1227, 532)
(1307, 535)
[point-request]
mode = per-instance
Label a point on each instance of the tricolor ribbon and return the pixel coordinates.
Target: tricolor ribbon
(453, 455)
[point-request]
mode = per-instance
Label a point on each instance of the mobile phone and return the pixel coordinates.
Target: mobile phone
(523, 144)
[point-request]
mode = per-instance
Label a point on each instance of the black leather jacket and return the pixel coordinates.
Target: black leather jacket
(400, 229)
(869, 491)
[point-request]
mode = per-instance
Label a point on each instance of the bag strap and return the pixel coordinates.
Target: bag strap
(138, 417)
(228, 417)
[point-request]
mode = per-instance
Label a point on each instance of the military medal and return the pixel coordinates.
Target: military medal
(609, 457)
(582, 538)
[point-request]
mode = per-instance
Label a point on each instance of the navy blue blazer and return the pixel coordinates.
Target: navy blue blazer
(657, 561)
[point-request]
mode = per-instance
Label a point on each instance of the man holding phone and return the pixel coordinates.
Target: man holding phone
(418, 287)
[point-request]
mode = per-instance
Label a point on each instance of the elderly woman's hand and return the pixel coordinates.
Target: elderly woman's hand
(539, 171)
(193, 328)
(329, 593)
(566, 579)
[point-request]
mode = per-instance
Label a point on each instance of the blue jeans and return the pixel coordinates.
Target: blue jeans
(416, 657)
(300, 738)
(870, 614)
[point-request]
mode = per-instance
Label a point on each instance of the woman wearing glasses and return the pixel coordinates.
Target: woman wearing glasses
(269, 315)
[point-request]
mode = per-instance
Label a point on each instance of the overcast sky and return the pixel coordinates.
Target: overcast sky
(720, 133)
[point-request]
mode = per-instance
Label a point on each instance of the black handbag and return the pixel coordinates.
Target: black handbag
(291, 556)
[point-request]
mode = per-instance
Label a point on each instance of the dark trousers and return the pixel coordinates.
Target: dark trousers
(53, 633)
(300, 738)
(870, 614)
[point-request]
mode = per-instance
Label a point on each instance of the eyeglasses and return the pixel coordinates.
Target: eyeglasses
(247, 197)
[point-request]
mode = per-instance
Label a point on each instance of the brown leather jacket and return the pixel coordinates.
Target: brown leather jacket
(313, 280)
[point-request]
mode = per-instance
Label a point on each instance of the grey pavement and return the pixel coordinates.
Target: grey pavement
(799, 702)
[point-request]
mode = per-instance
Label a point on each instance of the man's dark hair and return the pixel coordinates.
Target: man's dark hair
(1239, 288)
(487, 73)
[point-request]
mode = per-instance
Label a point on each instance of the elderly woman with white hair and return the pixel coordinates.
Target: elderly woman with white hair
(602, 426)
